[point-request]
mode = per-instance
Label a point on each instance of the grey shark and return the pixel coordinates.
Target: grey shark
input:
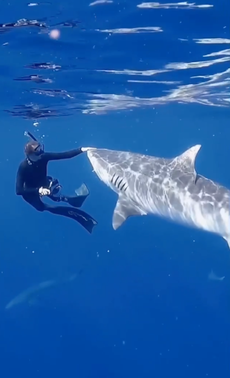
(29, 295)
(170, 188)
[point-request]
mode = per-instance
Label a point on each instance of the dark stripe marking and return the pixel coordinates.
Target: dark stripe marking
(121, 185)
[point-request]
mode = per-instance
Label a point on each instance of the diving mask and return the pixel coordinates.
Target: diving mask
(33, 149)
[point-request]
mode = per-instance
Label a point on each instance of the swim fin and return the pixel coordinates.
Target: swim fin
(76, 201)
(80, 216)
(82, 191)
(81, 195)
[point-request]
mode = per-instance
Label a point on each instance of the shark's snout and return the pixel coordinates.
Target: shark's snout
(100, 166)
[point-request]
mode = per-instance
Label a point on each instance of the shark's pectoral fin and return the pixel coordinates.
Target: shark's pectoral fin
(187, 160)
(124, 209)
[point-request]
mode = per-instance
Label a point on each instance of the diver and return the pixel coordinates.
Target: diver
(33, 184)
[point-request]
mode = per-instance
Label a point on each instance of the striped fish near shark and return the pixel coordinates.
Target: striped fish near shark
(170, 188)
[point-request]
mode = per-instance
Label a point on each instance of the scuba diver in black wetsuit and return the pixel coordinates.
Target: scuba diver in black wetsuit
(33, 183)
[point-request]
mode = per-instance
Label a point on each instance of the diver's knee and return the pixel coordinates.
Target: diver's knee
(48, 208)
(39, 207)
(40, 210)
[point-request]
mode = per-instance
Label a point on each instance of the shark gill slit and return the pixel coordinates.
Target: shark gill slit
(121, 185)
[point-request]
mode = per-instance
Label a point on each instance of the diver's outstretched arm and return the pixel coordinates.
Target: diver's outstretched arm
(48, 156)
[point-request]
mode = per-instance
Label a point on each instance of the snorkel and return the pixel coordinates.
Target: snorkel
(37, 148)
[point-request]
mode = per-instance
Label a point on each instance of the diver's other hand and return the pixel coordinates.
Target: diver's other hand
(44, 191)
(85, 149)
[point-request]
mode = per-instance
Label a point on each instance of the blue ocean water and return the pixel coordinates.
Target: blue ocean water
(151, 78)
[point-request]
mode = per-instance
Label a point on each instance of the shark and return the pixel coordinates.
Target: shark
(30, 295)
(166, 187)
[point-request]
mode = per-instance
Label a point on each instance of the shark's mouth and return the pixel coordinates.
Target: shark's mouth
(98, 167)
(107, 173)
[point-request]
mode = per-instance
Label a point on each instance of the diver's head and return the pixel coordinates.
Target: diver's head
(33, 150)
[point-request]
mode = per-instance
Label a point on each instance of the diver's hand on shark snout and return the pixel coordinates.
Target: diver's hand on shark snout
(85, 149)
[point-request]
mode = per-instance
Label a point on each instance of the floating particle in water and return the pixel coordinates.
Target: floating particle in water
(55, 34)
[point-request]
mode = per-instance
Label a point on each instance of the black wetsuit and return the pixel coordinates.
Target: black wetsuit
(32, 176)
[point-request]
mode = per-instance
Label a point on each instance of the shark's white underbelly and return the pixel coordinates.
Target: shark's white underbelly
(183, 209)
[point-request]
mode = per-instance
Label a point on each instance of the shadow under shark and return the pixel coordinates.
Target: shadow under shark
(170, 188)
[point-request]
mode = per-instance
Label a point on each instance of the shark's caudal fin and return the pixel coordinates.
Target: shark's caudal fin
(187, 160)
(123, 210)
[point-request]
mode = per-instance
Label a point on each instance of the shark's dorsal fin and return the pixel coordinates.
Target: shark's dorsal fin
(188, 158)
(123, 210)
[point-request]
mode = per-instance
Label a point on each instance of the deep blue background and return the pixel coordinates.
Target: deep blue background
(142, 304)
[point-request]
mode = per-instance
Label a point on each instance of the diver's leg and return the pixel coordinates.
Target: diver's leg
(55, 198)
(75, 201)
(35, 201)
(80, 216)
